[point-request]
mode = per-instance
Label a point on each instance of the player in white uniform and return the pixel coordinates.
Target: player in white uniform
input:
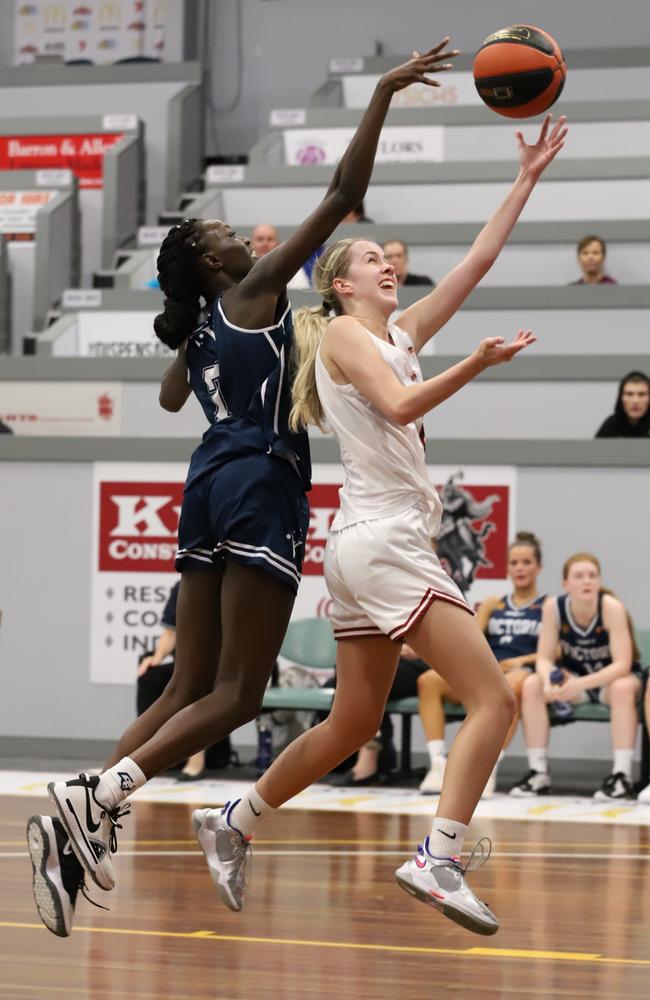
(358, 374)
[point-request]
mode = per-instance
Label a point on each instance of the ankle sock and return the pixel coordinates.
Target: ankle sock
(446, 838)
(249, 813)
(436, 748)
(623, 762)
(119, 781)
(538, 760)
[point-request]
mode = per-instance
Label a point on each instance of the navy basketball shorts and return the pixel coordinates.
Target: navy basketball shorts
(252, 509)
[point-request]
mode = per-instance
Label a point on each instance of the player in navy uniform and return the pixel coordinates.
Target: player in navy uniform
(244, 515)
(599, 661)
(511, 625)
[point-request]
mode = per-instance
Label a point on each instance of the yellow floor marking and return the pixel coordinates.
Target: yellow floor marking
(477, 952)
(542, 810)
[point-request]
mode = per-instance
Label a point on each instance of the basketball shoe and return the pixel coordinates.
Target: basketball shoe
(644, 795)
(440, 882)
(615, 787)
(91, 827)
(225, 850)
(57, 875)
(533, 783)
(431, 784)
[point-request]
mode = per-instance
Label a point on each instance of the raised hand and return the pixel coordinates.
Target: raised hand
(494, 350)
(535, 159)
(415, 69)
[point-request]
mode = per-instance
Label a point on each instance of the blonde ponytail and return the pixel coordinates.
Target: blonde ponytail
(309, 326)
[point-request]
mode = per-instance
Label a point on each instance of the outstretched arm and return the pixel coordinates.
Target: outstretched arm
(350, 181)
(354, 356)
(423, 319)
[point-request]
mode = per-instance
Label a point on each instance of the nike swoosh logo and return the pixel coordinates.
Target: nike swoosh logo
(255, 812)
(90, 823)
(452, 836)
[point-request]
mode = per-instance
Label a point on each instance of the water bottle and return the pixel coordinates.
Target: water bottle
(563, 709)
(264, 748)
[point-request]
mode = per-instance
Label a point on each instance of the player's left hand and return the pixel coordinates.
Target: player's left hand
(494, 350)
(535, 159)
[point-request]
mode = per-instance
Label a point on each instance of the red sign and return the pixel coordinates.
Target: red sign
(323, 507)
(138, 526)
(82, 154)
(473, 539)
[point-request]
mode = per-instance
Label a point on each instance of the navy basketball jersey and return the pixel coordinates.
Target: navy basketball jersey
(583, 650)
(513, 631)
(242, 380)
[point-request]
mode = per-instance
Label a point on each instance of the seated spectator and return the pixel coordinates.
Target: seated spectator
(644, 794)
(396, 253)
(154, 673)
(591, 258)
(264, 238)
(357, 214)
(511, 625)
(631, 416)
(598, 663)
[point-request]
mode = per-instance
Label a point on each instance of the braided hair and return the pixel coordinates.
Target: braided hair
(179, 281)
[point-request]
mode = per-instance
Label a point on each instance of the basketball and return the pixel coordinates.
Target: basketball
(519, 71)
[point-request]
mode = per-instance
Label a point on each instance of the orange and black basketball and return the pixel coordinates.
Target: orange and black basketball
(519, 71)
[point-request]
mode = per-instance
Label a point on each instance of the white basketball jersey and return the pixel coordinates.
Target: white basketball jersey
(385, 470)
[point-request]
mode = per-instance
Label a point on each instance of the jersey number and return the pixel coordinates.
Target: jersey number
(211, 379)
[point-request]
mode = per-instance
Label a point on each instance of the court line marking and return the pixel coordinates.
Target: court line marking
(556, 856)
(476, 952)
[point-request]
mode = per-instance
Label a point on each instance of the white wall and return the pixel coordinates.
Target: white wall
(287, 44)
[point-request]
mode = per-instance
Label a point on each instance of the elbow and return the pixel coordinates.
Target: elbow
(402, 412)
(171, 405)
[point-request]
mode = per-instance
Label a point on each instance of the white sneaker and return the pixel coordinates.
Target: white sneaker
(614, 787)
(432, 782)
(644, 795)
(225, 850)
(491, 784)
(532, 784)
(91, 827)
(440, 882)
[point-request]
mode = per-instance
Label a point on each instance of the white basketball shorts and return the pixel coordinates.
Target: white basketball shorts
(383, 575)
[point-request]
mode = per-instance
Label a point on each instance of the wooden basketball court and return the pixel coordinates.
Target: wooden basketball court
(325, 918)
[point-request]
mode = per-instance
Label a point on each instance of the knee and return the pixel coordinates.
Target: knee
(431, 684)
(532, 690)
(351, 734)
(506, 702)
(184, 692)
(624, 689)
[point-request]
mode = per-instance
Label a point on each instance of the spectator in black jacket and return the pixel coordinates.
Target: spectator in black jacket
(631, 416)
(396, 253)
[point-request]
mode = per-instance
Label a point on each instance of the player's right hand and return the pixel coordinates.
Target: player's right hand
(415, 70)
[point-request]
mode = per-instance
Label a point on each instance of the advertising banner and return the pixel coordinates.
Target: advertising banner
(88, 409)
(135, 516)
(119, 335)
(398, 144)
(83, 154)
(18, 211)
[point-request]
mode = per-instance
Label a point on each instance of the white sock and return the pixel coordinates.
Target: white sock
(249, 812)
(119, 781)
(446, 838)
(436, 748)
(538, 760)
(623, 763)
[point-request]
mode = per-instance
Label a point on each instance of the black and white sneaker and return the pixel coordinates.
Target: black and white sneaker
(614, 788)
(57, 874)
(532, 784)
(91, 827)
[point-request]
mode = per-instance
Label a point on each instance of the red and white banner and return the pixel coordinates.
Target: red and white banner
(18, 211)
(135, 526)
(398, 144)
(80, 409)
(83, 154)
(135, 523)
